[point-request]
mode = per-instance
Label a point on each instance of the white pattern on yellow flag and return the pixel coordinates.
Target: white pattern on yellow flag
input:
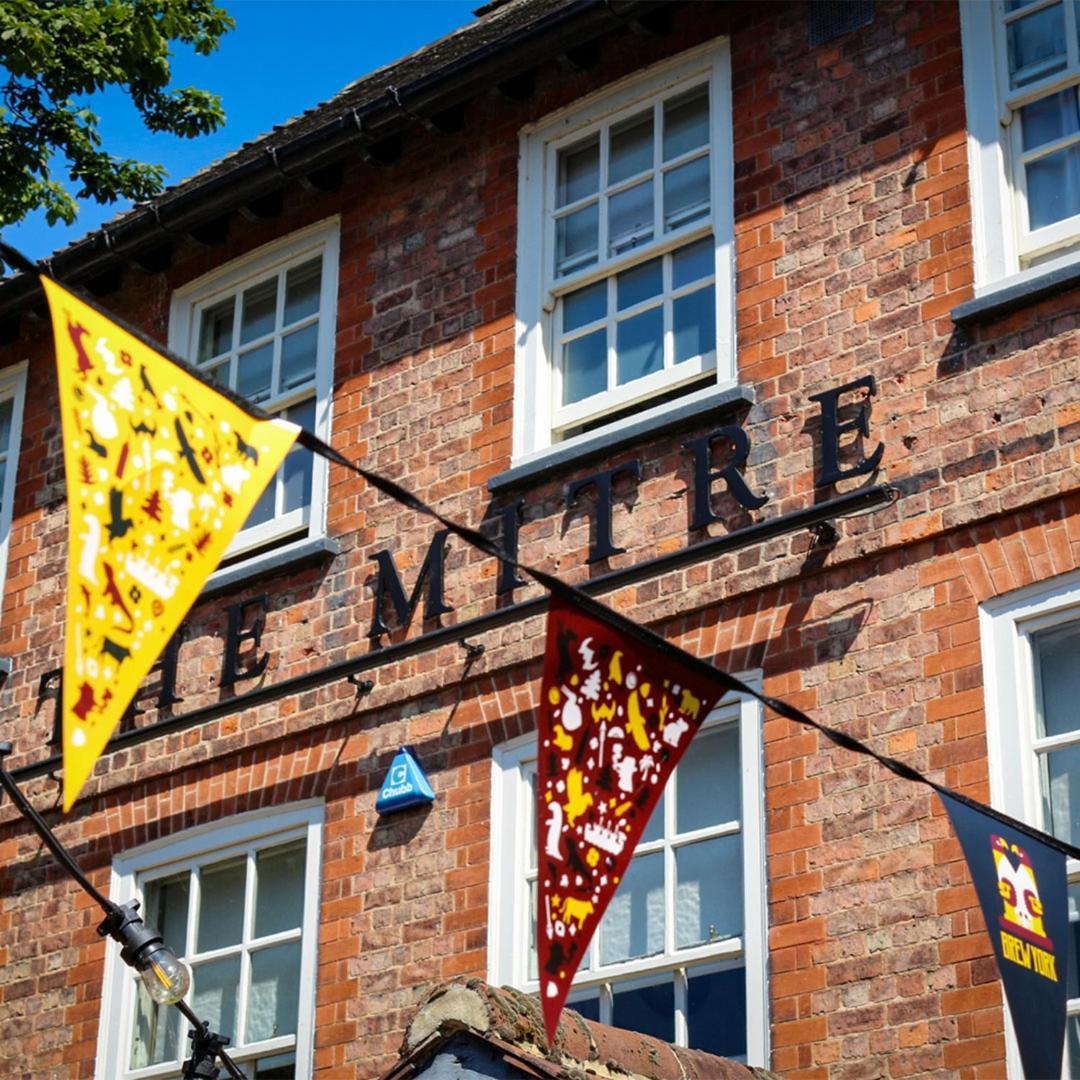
(162, 471)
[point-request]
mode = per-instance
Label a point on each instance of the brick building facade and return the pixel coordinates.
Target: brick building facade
(554, 252)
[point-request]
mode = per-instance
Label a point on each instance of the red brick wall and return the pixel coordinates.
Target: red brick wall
(853, 244)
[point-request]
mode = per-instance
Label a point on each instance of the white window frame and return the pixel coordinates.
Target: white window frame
(1002, 244)
(1006, 624)
(508, 938)
(298, 526)
(13, 388)
(538, 291)
(208, 843)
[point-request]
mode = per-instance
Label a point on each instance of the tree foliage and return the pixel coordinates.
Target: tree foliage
(54, 54)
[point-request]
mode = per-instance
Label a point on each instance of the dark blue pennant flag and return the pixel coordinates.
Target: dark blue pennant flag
(1022, 891)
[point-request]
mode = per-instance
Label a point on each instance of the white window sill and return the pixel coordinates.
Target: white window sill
(268, 562)
(1018, 291)
(654, 422)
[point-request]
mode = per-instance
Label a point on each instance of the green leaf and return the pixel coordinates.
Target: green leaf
(56, 52)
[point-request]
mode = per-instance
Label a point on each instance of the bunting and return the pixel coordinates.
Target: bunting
(618, 709)
(162, 471)
(616, 715)
(1023, 894)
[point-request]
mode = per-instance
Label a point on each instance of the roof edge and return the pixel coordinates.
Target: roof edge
(198, 201)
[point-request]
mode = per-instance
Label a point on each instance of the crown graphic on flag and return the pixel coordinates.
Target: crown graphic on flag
(162, 471)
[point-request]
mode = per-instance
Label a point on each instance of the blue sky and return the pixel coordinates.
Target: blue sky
(283, 57)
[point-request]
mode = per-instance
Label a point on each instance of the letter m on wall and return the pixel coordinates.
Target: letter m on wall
(388, 587)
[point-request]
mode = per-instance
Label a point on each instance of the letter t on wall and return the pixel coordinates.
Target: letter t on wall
(602, 546)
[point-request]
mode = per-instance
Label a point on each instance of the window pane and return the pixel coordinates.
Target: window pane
(630, 218)
(254, 371)
(213, 998)
(275, 992)
(584, 306)
(302, 414)
(587, 1007)
(640, 345)
(694, 319)
(299, 462)
(641, 283)
(6, 409)
(1057, 656)
(1072, 986)
(1061, 793)
(215, 329)
(654, 829)
(259, 311)
(696, 260)
(650, 1010)
(278, 1067)
(532, 822)
(221, 909)
(298, 352)
(167, 909)
(707, 781)
(1053, 184)
(218, 374)
(633, 924)
(1037, 45)
(576, 240)
(585, 367)
(156, 1031)
(579, 171)
(279, 888)
(264, 510)
(534, 959)
(709, 895)
(1072, 1046)
(716, 1013)
(302, 285)
(631, 148)
(1050, 118)
(686, 193)
(686, 123)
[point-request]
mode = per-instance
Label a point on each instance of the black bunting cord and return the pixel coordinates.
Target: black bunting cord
(571, 593)
(651, 639)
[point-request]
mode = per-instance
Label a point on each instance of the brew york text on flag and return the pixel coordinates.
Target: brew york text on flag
(1023, 893)
(162, 471)
(615, 717)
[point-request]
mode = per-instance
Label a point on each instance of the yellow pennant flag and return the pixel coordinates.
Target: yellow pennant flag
(162, 471)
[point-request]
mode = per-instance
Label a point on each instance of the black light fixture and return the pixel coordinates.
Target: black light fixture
(164, 975)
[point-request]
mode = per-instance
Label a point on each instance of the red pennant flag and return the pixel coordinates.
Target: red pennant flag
(616, 715)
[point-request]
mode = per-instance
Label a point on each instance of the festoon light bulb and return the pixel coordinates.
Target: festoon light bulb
(166, 978)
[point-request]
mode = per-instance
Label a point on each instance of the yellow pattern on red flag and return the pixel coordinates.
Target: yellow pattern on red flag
(616, 716)
(162, 471)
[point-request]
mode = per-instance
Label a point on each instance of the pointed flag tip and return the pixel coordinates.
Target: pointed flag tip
(552, 1005)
